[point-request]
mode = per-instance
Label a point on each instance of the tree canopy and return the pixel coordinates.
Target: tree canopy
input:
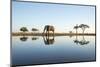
(24, 29)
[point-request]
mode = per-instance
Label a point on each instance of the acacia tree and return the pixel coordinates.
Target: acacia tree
(24, 29)
(83, 27)
(34, 29)
(76, 27)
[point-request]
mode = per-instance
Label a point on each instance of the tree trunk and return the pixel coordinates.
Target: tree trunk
(83, 31)
(76, 31)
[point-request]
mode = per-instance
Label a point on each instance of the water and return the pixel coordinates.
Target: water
(31, 50)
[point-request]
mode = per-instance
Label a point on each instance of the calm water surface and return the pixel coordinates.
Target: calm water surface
(39, 50)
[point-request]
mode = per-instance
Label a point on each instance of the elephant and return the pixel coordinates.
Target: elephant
(47, 29)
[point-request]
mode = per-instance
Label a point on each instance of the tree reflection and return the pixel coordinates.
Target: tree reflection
(81, 42)
(34, 38)
(48, 40)
(24, 38)
(70, 36)
(76, 40)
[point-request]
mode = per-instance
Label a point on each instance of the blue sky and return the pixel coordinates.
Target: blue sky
(62, 17)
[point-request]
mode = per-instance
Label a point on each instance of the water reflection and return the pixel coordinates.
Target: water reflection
(24, 38)
(59, 49)
(34, 38)
(48, 40)
(81, 42)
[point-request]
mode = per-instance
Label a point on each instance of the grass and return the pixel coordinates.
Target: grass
(51, 34)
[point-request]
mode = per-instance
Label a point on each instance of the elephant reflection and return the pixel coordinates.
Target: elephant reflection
(81, 42)
(23, 38)
(47, 29)
(48, 40)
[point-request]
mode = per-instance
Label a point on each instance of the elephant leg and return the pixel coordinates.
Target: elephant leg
(46, 33)
(53, 33)
(44, 30)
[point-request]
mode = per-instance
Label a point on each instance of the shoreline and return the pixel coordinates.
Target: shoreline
(51, 34)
